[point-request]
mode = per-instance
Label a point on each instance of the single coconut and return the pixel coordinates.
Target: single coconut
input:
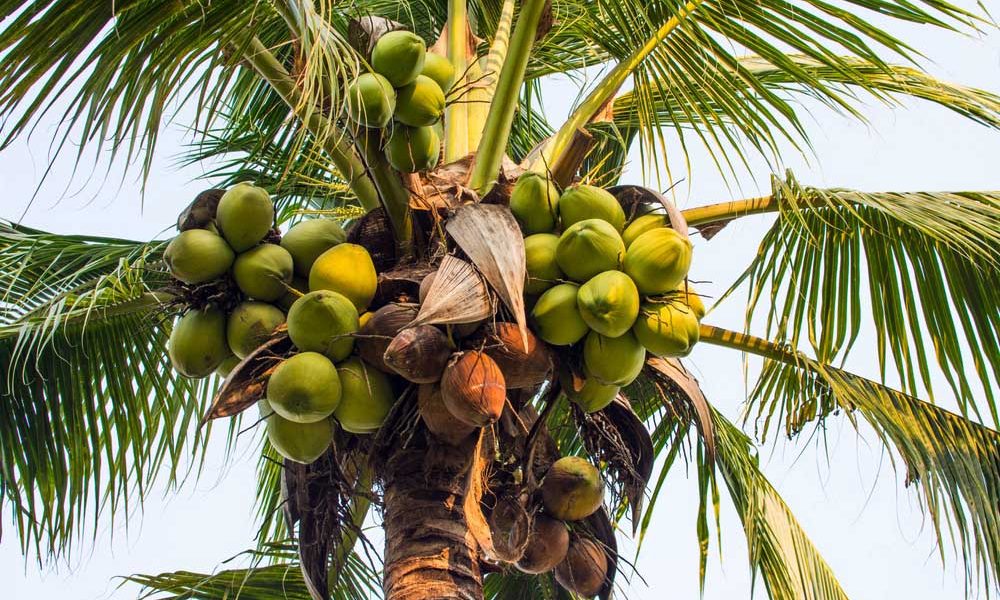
(371, 100)
(324, 322)
(589, 247)
(295, 290)
(547, 546)
(306, 240)
(364, 317)
(250, 325)
(197, 344)
(245, 215)
(425, 286)
(399, 57)
(535, 203)
(540, 262)
(642, 224)
(693, 300)
(299, 442)
(197, 256)
(572, 489)
(473, 388)
(592, 396)
(264, 272)
(227, 366)
(582, 202)
(440, 69)
(304, 388)
(419, 353)
(667, 329)
(346, 269)
(556, 317)
(521, 369)
(613, 360)
(375, 335)
(658, 260)
(609, 303)
(419, 104)
(585, 568)
(366, 399)
(412, 149)
(439, 421)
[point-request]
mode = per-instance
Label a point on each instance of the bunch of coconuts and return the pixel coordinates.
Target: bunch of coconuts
(615, 286)
(404, 92)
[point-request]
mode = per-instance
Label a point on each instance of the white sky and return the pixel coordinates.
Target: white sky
(845, 493)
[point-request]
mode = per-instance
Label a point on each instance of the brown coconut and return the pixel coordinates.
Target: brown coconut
(419, 353)
(520, 369)
(439, 421)
(572, 489)
(378, 331)
(585, 568)
(547, 546)
(510, 528)
(473, 388)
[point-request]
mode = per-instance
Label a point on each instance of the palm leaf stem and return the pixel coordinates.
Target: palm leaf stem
(456, 114)
(724, 211)
(141, 305)
(395, 197)
(744, 342)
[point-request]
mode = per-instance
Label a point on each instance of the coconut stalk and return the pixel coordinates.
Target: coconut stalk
(456, 115)
(394, 196)
(487, 71)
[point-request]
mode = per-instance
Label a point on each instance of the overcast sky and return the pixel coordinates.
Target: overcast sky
(844, 491)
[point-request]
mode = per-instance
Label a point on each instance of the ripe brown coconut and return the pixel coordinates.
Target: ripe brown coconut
(419, 353)
(510, 528)
(473, 388)
(520, 369)
(585, 568)
(378, 331)
(572, 489)
(547, 546)
(439, 421)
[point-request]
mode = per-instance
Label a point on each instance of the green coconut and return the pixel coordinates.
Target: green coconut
(572, 489)
(264, 272)
(440, 69)
(371, 100)
(589, 247)
(540, 261)
(250, 325)
(227, 366)
(197, 344)
(609, 303)
(245, 215)
(613, 360)
(419, 104)
(300, 442)
(641, 225)
(667, 329)
(306, 240)
(366, 399)
(658, 260)
(399, 57)
(304, 388)
(324, 322)
(556, 317)
(535, 203)
(197, 256)
(412, 149)
(346, 269)
(593, 395)
(693, 300)
(582, 202)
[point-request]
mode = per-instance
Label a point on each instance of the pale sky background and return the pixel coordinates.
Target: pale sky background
(845, 493)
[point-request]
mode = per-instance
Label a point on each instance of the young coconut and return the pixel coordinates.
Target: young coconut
(473, 388)
(399, 57)
(304, 388)
(585, 568)
(419, 104)
(547, 546)
(556, 317)
(227, 366)
(572, 489)
(521, 369)
(439, 421)
(535, 203)
(642, 224)
(264, 272)
(589, 247)
(197, 255)
(346, 269)
(366, 398)
(667, 329)
(540, 263)
(412, 149)
(658, 260)
(245, 215)
(197, 344)
(371, 100)
(440, 69)
(609, 303)
(613, 360)
(582, 202)
(324, 322)
(419, 353)
(299, 442)
(375, 335)
(592, 396)
(250, 325)
(306, 240)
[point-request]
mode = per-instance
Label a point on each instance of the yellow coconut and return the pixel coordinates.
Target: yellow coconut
(399, 57)
(419, 104)
(556, 318)
(572, 489)
(366, 399)
(306, 240)
(658, 260)
(346, 269)
(581, 202)
(540, 261)
(642, 224)
(613, 361)
(371, 100)
(667, 329)
(250, 325)
(440, 69)
(692, 299)
(589, 247)
(609, 303)
(535, 203)
(198, 255)
(304, 388)
(300, 442)
(245, 215)
(264, 272)
(197, 344)
(412, 149)
(324, 322)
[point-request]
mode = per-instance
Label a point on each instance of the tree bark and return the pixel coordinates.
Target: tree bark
(429, 551)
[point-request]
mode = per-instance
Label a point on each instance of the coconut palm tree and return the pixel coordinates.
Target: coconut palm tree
(92, 412)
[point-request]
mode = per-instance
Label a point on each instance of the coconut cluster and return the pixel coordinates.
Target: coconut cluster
(610, 286)
(404, 93)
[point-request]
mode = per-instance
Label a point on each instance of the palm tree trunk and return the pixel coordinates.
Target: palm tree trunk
(429, 551)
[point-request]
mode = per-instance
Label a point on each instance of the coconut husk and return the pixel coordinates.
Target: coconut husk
(401, 284)
(676, 386)
(502, 342)
(419, 354)
(585, 569)
(634, 197)
(443, 425)
(363, 32)
(458, 294)
(201, 211)
(491, 238)
(374, 338)
(445, 188)
(510, 528)
(374, 233)
(246, 383)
